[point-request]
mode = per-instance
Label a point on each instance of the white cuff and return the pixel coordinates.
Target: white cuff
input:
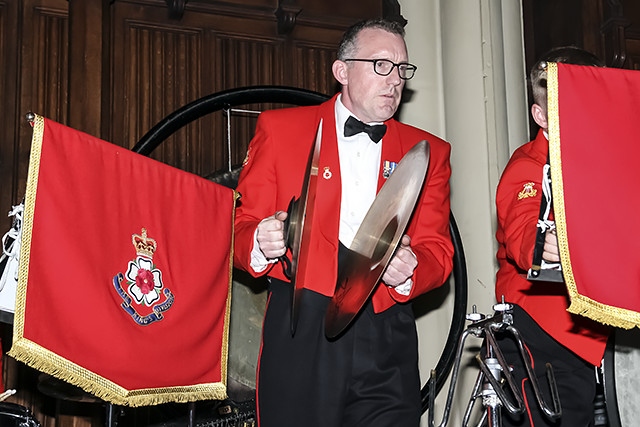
(259, 262)
(404, 288)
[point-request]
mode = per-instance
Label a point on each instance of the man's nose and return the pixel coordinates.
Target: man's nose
(394, 76)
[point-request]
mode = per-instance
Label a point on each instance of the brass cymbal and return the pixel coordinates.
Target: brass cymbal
(377, 239)
(298, 225)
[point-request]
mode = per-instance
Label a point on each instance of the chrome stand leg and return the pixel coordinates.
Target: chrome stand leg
(111, 419)
(192, 414)
(495, 384)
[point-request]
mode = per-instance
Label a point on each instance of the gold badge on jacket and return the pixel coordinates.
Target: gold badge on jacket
(528, 190)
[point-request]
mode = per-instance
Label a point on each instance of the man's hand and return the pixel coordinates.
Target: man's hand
(402, 265)
(270, 235)
(550, 251)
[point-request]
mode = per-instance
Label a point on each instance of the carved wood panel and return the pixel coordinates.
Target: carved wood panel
(8, 96)
(34, 79)
(165, 66)
(631, 12)
(608, 28)
(114, 68)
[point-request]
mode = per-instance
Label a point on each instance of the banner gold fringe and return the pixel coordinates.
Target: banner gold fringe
(606, 314)
(580, 304)
(50, 363)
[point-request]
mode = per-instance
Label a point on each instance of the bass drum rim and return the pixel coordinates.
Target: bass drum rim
(609, 383)
(300, 97)
(18, 413)
(619, 337)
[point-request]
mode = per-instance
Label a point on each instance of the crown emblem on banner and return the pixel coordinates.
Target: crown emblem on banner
(144, 245)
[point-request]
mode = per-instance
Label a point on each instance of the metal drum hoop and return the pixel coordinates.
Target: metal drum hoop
(621, 377)
(14, 415)
(300, 97)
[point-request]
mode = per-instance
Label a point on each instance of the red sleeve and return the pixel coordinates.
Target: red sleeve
(257, 188)
(518, 201)
(429, 227)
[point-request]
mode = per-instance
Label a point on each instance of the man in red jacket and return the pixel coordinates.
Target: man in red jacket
(368, 376)
(573, 344)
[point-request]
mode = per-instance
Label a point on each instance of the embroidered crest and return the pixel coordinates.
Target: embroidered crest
(143, 282)
(527, 191)
(388, 168)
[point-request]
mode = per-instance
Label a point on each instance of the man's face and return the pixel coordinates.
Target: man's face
(373, 98)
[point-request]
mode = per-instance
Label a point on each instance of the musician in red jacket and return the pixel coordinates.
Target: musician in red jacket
(573, 344)
(368, 375)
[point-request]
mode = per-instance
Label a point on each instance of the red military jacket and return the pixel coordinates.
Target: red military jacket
(273, 174)
(518, 201)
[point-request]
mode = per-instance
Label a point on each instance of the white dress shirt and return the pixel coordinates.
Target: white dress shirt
(359, 169)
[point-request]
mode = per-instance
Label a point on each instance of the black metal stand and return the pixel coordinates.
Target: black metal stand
(111, 417)
(495, 373)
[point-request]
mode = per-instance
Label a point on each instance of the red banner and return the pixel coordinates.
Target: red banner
(125, 272)
(594, 146)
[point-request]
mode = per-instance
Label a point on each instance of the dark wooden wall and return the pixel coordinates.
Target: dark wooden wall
(114, 68)
(132, 62)
(608, 28)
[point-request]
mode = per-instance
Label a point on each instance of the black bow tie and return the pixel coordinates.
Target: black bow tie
(354, 126)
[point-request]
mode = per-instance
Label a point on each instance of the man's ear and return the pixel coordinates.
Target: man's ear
(539, 115)
(339, 69)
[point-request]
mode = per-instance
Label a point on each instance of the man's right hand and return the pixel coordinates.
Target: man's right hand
(270, 235)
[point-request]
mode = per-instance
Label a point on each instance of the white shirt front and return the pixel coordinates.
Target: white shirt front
(359, 169)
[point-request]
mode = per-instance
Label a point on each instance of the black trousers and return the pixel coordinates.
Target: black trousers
(368, 376)
(575, 378)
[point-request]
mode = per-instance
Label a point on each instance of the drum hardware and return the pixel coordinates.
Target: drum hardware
(600, 416)
(225, 413)
(620, 377)
(6, 394)
(377, 239)
(9, 264)
(14, 415)
(227, 112)
(64, 391)
(495, 373)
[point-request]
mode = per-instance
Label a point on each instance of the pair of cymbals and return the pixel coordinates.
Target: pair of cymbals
(375, 241)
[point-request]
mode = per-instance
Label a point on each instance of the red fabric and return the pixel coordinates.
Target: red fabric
(1, 369)
(598, 140)
(518, 199)
(92, 197)
(273, 175)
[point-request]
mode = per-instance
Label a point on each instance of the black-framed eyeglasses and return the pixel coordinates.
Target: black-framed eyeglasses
(383, 67)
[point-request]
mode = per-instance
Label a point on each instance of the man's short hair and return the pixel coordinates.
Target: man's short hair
(347, 47)
(566, 54)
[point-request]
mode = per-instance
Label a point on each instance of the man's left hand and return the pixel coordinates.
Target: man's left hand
(402, 265)
(550, 252)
